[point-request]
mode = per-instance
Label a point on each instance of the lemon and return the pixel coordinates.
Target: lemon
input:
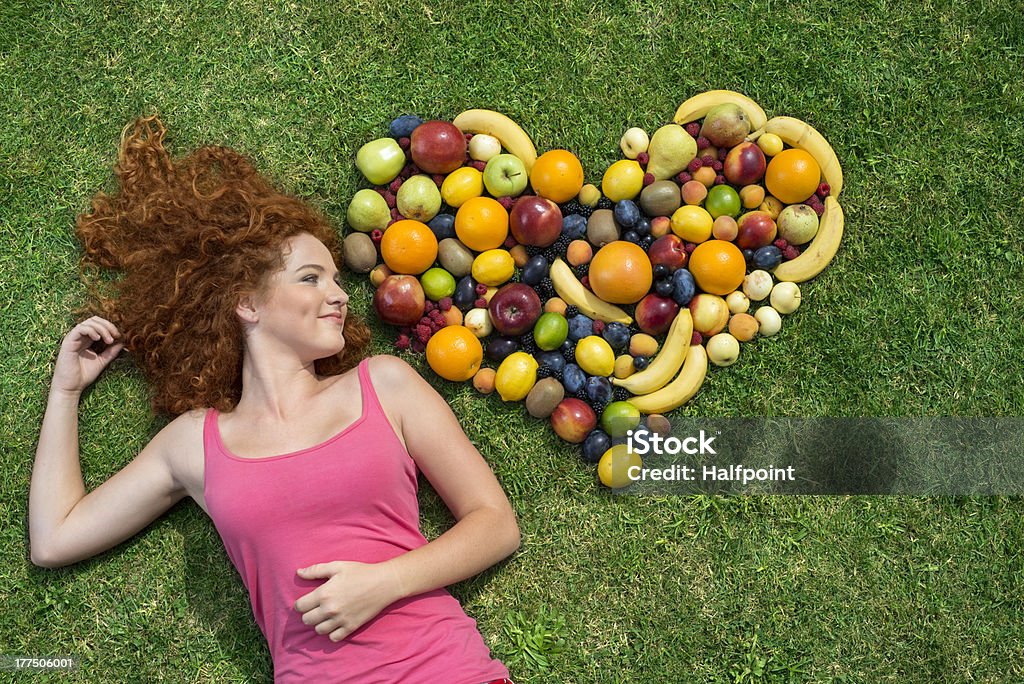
(493, 267)
(692, 223)
(595, 356)
(462, 184)
(516, 376)
(623, 180)
(614, 467)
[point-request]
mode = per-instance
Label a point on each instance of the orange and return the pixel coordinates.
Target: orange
(455, 353)
(718, 267)
(792, 176)
(557, 175)
(621, 273)
(481, 223)
(409, 247)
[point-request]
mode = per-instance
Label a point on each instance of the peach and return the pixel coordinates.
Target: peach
(773, 206)
(756, 229)
(661, 226)
(579, 252)
(745, 164)
(453, 316)
(751, 196)
(725, 228)
(694, 191)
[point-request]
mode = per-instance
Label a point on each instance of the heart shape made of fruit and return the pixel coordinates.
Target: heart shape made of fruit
(594, 305)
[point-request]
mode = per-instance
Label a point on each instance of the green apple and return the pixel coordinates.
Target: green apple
(380, 160)
(419, 198)
(368, 211)
(505, 174)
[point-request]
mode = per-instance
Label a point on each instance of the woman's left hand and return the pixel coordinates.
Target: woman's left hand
(352, 595)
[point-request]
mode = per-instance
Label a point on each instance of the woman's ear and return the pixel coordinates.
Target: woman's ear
(246, 309)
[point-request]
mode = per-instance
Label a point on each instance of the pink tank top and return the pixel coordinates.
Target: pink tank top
(352, 497)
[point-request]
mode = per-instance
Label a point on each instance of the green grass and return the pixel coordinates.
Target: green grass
(918, 316)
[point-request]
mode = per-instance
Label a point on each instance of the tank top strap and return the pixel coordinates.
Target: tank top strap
(371, 403)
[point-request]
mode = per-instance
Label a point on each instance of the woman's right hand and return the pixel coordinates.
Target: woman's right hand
(77, 364)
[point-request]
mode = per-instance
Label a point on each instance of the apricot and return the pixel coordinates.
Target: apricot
(743, 327)
(751, 196)
(773, 206)
(555, 305)
(519, 255)
(705, 175)
(725, 228)
(579, 252)
(483, 381)
(694, 191)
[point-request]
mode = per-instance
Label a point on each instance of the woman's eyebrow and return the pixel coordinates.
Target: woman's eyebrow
(317, 267)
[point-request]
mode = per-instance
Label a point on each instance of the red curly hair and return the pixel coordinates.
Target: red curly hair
(189, 238)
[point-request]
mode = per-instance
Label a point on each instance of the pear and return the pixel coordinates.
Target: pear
(671, 150)
(726, 125)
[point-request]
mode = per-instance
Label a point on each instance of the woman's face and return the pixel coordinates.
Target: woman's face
(303, 306)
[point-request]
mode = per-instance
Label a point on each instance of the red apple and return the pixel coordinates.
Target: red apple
(573, 420)
(514, 309)
(710, 314)
(654, 314)
(755, 229)
(669, 251)
(399, 300)
(437, 147)
(745, 164)
(535, 221)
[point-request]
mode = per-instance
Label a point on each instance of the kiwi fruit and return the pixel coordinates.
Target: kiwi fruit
(455, 257)
(359, 253)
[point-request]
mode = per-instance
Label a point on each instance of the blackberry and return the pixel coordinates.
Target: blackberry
(599, 407)
(557, 375)
(544, 372)
(571, 310)
(585, 211)
(569, 353)
(533, 250)
(582, 270)
(620, 394)
(581, 394)
(604, 203)
(558, 249)
(570, 207)
(546, 289)
(527, 344)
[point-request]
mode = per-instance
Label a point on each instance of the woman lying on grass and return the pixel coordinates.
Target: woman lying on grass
(302, 452)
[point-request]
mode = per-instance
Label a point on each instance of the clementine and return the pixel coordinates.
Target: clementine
(408, 247)
(454, 353)
(557, 175)
(481, 223)
(792, 175)
(621, 273)
(717, 266)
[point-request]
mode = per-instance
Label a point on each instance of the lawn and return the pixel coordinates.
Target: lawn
(918, 316)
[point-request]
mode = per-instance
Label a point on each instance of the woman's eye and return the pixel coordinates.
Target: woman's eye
(310, 279)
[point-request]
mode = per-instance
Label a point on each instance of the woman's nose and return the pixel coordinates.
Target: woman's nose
(338, 295)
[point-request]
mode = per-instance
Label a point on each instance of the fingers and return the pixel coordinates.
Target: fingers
(98, 329)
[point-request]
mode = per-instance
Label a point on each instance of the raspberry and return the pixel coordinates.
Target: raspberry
(419, 347)
(422, 332)
(707, 160)
(703, 143)
(791, 252)
(480, 303)
(722, 154)
(405, 330)
(391, 199)
(694, 165)
(445, 304)
(696, 339)
(381, 190)
(396, 215)
(781, 243)
(394, 220)
(510, 242)
(376, 235)
(689, 247)
(586, 281)
(479, 165)
(643, 158)
(402, 343)
(719, 179)
(435, 326)
(438, 179)
(424, 320)
(437, 317)
(469, 136)
(404, 143)
(409, 170)
(506, 202)
(684, 178)
(429, 306)
(823, 190)
(648, 179)
(481, 289)
(716, 165)
(598, 327)
(819, 209)
(693, 128)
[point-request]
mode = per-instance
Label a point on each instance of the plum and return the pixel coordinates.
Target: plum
(573, 378)
(536, 270)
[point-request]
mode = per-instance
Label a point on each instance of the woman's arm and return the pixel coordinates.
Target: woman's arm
(485, 531)
(65, 524)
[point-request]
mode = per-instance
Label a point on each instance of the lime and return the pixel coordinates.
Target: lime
(692, 223)
(516, 376)
(437, 284)
(620, 417)
(550, 331)
(614, 467)
(595, 356)
(723, 200)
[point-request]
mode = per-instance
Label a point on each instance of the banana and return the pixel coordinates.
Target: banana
(797, 133)
(571, 290)
(511, 135)
(667, 362)
(699, 105)
(680, 390)
(819, 253)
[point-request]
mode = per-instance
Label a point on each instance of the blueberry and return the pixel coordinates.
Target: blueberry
(573, 378)
(551, 359)
(403, 126)
(627, 213)
(500, 347)
(646, 241)
(683, 287)
(536, 270)
(579, 327)
(594, 446)
(640, 362)
(631, 236)
(574, 226)
(599, 389)
(661, 270)
(465, 293)
(767, 258)
(664, 287)
(443, 226)
(643, 226)
(617, 335)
